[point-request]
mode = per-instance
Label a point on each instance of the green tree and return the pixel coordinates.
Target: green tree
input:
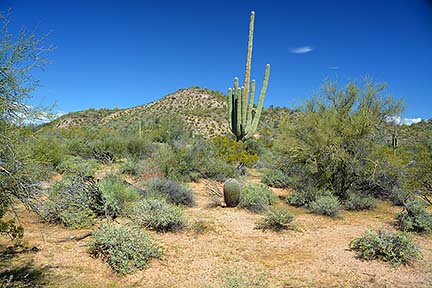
(418, 140)
(334, 136)
(19, 57)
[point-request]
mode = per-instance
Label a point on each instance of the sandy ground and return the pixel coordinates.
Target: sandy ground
(315, 255)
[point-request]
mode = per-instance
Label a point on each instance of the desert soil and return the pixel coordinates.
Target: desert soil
(314, 255)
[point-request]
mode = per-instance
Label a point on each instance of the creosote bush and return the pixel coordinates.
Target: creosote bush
(301, 198)
(396, 248)
(125, 248)
(74, 202)
(173, 191)
(72, 165)
(130, 167)
(157, 214)
(357, 202)
(306, 197)
(201, 226)
(328, 205)
(117, 195)
(256, 197)
(400, 196)
(277, 178)
(414, 218)
(276, 219)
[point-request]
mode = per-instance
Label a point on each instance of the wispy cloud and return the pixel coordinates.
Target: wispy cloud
(334, 67)
(41, 117)
(301, 50)
(410, 121)
(404, 121)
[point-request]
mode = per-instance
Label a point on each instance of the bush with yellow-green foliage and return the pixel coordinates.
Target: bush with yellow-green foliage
(256, 197)
(327, 205)
(157, 214)
(276, 219)
(124, 248)
(118, 196)
(277, 178)
(414, 217)
(234, 151)
(189, 161)
(396, 248)
(75, 165)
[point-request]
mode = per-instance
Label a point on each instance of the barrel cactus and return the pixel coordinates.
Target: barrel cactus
(243, 117)
(231, 189)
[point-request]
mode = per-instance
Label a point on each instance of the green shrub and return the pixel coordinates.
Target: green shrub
(299, 198)
(217, 169)
(400, 196)
(173, 191)
(158, 215)
(233, 151)
(328, 205)
(276, 219)
(415, 218)
(124, 248)
(189, 161)
(201, 226)
(120, 146)
(74, 165)
(237, 279)
(394, 248)
(305, 197)
(276, 178)
(77, 146)
(130, 167)
(334, 137)
(117, 195)
(138, 147)
(176, 162)
(357, 202)
(256, 197)
(114, 145)
(74, 202)
(46, 149)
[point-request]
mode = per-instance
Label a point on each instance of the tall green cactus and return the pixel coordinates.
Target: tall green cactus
(242, 116)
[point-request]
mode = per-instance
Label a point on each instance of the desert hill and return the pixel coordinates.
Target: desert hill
(203, 110)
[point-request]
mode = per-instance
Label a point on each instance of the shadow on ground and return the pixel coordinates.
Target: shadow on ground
(21, 273)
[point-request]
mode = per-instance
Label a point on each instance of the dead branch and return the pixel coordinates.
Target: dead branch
(76, 237)
(213, 188)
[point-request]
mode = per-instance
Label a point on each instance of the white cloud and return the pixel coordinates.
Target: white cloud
(42, 117)
(301, 50)
(334, 67)
(410, 121)
(404, 121)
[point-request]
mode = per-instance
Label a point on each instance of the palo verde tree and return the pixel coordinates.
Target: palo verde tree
(418, 147)
(334, 136)
(242, 116)
(19, 57)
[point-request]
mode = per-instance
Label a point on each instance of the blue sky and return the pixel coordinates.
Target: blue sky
(128, 53)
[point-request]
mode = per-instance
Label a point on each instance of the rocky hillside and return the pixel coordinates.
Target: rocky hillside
(204, 111)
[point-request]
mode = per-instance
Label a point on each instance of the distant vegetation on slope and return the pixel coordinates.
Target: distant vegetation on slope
(203, 111)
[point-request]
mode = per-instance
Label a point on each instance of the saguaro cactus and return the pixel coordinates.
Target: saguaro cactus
(242, 116)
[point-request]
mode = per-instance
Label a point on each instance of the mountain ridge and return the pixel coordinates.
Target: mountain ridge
(203, 110)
